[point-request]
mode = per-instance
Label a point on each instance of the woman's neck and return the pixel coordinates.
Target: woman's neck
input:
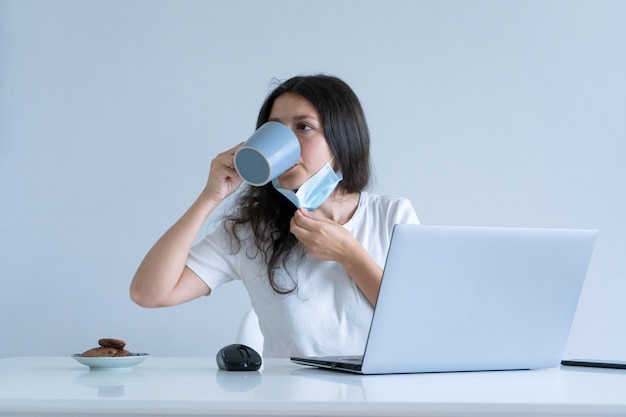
(340, 206)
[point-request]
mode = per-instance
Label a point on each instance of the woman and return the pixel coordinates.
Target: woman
(312, 274)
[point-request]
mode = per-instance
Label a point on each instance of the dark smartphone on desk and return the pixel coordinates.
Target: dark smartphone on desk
(594, 363)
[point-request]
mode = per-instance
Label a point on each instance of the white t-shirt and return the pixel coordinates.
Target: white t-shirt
(327, 314)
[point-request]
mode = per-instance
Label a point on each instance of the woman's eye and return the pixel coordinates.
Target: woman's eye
(304, 126)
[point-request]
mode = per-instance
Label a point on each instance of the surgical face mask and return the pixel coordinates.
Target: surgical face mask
(315, 190)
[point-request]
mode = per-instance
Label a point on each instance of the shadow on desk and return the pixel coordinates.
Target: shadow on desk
(539, 385)
(110, 384)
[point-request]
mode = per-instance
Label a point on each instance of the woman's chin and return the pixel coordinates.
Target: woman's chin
(289, 182)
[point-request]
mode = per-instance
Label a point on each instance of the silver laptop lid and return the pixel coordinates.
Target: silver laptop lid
(457, 298)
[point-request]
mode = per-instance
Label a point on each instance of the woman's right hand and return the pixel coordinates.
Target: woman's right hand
(223, 177)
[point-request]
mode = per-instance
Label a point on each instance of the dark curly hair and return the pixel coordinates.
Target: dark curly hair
(264, 209)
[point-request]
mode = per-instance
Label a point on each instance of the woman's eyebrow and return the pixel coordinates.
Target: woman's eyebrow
(297, 117)
(305, 116)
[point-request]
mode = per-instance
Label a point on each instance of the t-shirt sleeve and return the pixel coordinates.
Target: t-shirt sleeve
(403, 212)
(213, 259)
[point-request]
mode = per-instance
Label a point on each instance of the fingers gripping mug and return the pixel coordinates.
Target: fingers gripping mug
(269, 152)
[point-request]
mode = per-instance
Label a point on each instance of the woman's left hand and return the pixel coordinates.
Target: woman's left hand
(327, 240)
(322, 238)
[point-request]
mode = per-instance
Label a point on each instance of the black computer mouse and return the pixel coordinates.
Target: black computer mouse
(238, 358)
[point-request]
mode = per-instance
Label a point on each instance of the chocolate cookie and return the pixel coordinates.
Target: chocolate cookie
(122, 352)
(100, 351)
(114, 343)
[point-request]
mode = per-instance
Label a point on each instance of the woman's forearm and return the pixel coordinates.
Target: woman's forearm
(364, 271)
(158, 275)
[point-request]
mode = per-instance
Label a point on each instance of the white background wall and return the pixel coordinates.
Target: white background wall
(503, 113)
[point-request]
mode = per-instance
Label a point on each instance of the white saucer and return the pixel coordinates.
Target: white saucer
(111, 363)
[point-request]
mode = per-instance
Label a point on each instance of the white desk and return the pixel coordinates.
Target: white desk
(59, 386)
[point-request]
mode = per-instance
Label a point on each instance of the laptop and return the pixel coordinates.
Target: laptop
(462, 298)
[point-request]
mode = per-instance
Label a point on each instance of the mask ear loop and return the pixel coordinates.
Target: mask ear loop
(331, 165)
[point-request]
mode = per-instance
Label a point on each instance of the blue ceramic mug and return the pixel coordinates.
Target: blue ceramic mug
(269, 152)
